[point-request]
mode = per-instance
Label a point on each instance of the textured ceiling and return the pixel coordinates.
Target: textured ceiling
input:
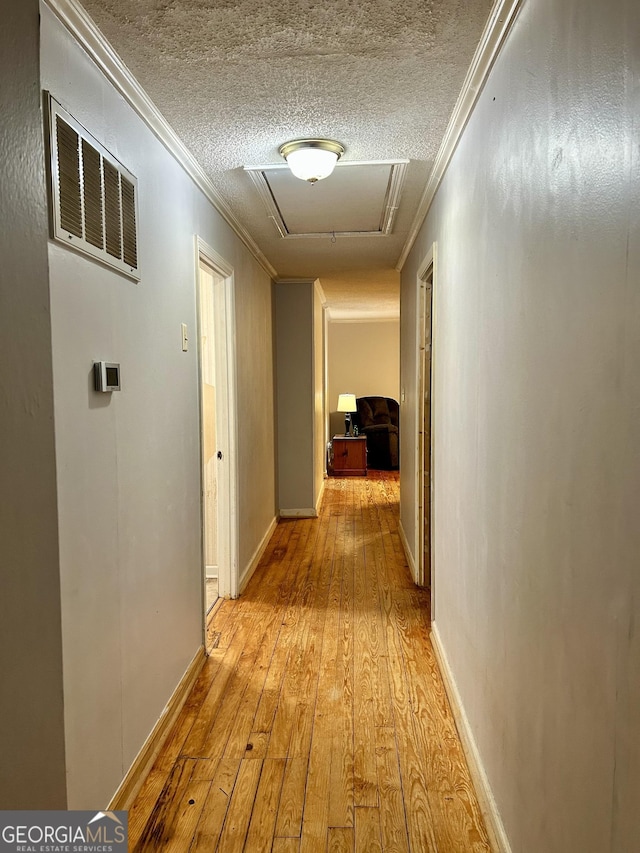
(343, 292)
(237, 78)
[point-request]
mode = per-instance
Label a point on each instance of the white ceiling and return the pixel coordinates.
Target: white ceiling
(237, 79)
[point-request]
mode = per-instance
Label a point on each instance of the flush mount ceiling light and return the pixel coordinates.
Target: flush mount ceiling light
(311, 159)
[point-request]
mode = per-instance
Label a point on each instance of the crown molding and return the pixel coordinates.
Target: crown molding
(356, 316)
(500, 21)
(392, 201)
(261, 185)
(84, 30)
(321, 293)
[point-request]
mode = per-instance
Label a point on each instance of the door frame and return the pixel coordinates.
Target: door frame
(426, 270)
(226, 419)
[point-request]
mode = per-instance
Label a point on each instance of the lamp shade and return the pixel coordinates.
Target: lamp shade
(311, 159)
(347, 403)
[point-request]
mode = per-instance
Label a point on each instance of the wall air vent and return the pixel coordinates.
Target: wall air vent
(94, 199)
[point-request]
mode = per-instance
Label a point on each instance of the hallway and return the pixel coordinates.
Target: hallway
(319, 721)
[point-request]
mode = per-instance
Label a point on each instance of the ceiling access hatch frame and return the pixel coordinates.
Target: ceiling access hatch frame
(274, 201)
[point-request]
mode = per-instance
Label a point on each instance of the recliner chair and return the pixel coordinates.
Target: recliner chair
(378, 419)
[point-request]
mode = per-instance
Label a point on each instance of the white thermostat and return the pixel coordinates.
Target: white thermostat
(106, 375)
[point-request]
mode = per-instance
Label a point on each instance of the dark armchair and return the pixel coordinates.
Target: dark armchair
(378, 419)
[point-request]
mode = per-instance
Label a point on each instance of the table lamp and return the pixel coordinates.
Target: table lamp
(347, 404)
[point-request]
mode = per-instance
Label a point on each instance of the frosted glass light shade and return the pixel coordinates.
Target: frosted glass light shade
(347, 403)
(311, 159)
(312, 164)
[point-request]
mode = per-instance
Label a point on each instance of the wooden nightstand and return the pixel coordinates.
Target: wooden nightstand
(349, 456)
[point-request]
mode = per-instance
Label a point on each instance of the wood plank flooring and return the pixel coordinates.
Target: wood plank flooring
(319, 721)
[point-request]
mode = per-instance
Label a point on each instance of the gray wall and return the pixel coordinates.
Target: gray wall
(294, 303)
(129, 463)
(31, 707)
(537, 419)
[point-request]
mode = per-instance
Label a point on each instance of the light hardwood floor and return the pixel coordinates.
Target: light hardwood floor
(211, 593)
(320, 721)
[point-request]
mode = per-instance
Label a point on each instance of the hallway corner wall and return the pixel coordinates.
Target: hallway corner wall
(537, 424)
(32, 732)
(296, 397)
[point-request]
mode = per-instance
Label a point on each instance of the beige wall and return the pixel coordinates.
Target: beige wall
(364, 359)
(537, 423)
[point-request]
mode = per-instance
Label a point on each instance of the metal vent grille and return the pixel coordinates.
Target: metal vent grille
(94, 198)
(69, 178)
(92, 180)
(112, 211)
(129, 239)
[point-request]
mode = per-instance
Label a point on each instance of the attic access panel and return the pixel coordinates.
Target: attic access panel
(357, 199)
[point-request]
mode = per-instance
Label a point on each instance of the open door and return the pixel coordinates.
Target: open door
(424, 460)
(216, 359)
(210, 449)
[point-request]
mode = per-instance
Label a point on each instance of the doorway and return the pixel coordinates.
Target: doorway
(216, 364)
(424, 444)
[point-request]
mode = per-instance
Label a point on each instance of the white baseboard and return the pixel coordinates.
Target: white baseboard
(245, 577)
(143, 762)
(320, 497)
(211, 572)
(493, 821)
(407, 552)
(309, 512)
